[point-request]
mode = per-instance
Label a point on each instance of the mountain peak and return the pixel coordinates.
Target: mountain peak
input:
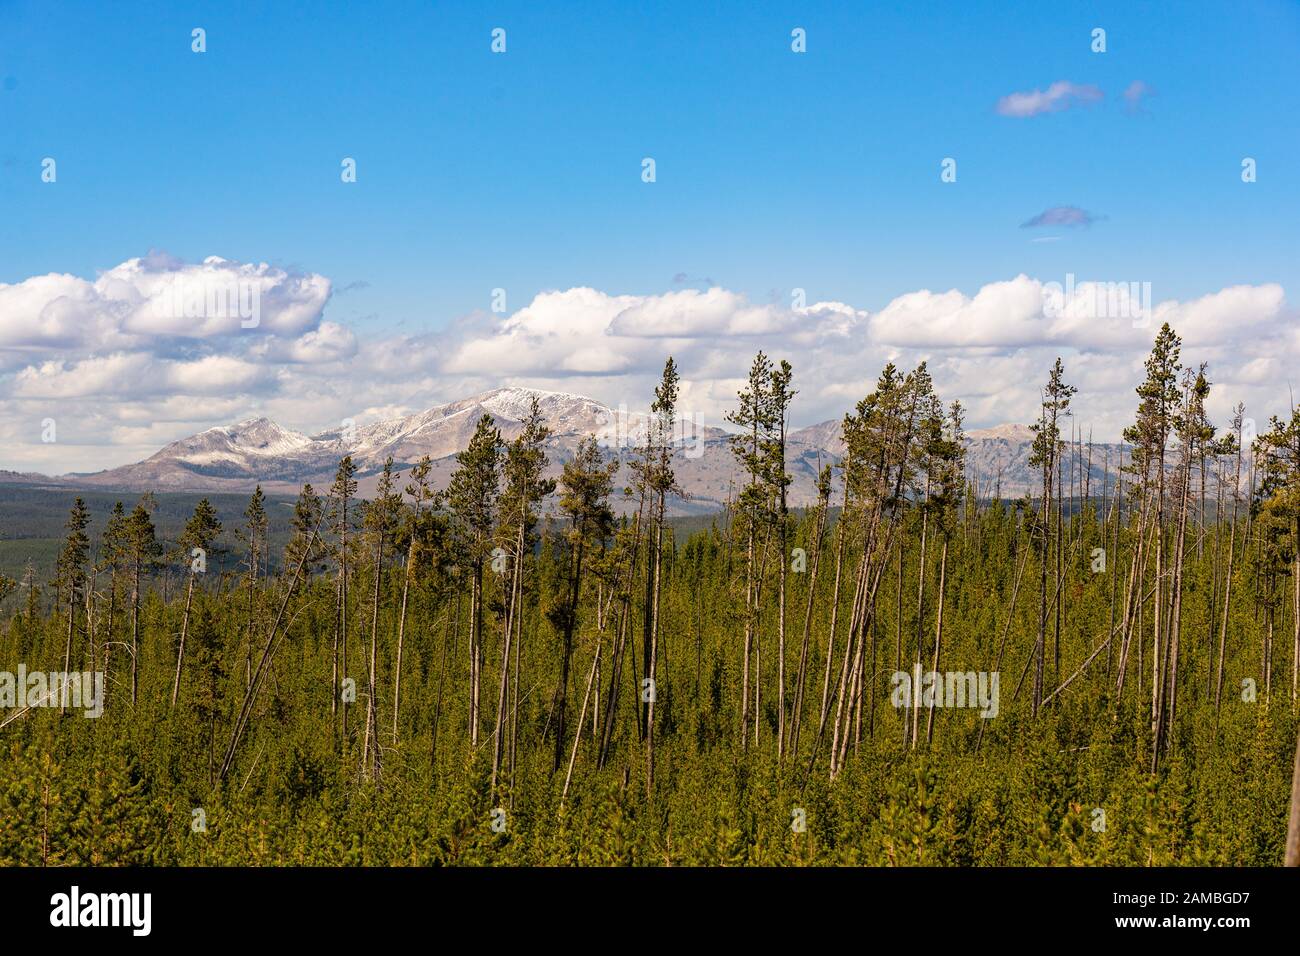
(258, 450)
(1008, 431)
(515, 402)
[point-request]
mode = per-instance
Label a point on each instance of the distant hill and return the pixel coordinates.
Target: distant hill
(236, 458)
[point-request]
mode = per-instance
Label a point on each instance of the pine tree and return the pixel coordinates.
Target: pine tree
(422, 496)
(753, 418)
(782, 395)
(306, 544)
(142, 551)
(1278, 454)
(820, 515)
(1045, 455)
(586, 483)
(1193, 431)
(473, 499)
(1229, 447)
(663, 482)
(1159, 396)
(949, 461)
(113, 552)
(345, 486)
(382, 517)
(526, 487)
(254, 533)
(196, 541)
(72, 574)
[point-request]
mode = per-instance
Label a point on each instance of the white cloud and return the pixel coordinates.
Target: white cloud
(74, 350)
(1060, 95)
(145, 303)
(330, 342)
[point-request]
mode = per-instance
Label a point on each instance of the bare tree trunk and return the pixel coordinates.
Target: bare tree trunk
(801, 678)
(475, 639)
(1157, 646)
(90, 618)
(1295, 613)
(338, 628)
(758, 630)
(1293, 820)
(582, 716)
(844, 688)
(180, 649)
(1175, 620)
(401, 632)
(1006, 628)
(511, 606)
(920, 618)
(1133, 599)
(938, 635)
(562, 690)
(343, 611)
(135, 632)
(835, 608)
(241, 721)
(654, 654)
(108, 633)
(67, 647)
(370, 745)
(1044, 524)
(518, 618)
(615, 679)
(783, 517)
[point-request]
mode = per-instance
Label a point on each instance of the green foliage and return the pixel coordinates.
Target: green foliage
(522, 736)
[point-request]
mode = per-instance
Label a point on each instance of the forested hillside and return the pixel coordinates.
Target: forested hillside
(457, 678)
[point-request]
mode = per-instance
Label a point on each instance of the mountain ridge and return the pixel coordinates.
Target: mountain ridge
(258, 450)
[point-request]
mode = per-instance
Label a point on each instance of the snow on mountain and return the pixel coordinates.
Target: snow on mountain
(236, 457)
(238, 444)
(1012, 434)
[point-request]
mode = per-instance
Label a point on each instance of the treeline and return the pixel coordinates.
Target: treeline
(458, 676)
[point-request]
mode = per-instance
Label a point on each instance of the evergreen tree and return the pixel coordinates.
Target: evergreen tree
(200, 532)
(345, 486)
(472, 496)
(382, 517)
(753, 419)
(585, 485)
(1045, 455)
(526, 487)
(71, 571)
(254, 535)
(1159, 397)
(662, 482)
(142, 551)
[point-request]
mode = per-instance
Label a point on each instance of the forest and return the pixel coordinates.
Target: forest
(521, 670)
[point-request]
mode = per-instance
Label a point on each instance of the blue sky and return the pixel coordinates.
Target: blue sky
(775, 170)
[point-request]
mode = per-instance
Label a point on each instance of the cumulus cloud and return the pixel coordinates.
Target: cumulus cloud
(73, 349)
(150, 302)
(1061, 95)
(328, 342)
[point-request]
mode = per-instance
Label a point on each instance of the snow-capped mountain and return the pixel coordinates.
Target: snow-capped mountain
(997, 458)
(259, 451)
